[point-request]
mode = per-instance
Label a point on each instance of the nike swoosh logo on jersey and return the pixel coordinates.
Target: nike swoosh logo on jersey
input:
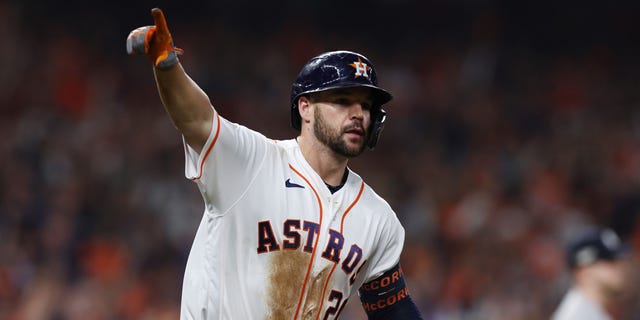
(290, 184)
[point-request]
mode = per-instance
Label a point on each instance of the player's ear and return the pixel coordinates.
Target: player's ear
(305, 109)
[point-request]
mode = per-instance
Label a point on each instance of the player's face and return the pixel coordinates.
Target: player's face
(342, 118)
(611, 276)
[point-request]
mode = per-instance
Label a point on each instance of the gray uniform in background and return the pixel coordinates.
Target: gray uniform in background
(575, 305)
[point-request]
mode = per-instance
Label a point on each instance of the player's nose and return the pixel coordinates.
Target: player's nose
(357, 110)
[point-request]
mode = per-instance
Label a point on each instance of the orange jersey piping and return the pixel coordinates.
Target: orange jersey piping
(315, 245)
(206, 154)
(344, 215)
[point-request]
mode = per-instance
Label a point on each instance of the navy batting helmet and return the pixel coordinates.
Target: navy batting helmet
(596, 245)
(341, 69)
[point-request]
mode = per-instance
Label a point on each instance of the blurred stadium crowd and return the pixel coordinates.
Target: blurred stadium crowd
(512, 128)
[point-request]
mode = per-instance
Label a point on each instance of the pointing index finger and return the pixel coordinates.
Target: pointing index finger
(159, 21)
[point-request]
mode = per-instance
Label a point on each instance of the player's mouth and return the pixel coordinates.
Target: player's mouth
(354, 132)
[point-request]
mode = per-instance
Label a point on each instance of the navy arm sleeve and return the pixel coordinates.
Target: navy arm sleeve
(387, 297)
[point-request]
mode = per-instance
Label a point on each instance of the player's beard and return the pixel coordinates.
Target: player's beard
(334, 138)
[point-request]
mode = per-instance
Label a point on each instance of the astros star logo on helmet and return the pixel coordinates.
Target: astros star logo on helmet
(362, 69)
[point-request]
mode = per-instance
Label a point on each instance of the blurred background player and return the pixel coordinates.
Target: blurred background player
(599, 266)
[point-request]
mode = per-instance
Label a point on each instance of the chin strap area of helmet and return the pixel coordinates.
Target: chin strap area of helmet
(377, 124)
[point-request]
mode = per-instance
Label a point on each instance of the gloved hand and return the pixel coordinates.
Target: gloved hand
(155, 42)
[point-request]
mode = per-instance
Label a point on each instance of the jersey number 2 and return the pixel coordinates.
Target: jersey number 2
(337, 308)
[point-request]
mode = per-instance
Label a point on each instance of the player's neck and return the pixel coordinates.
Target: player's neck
(326, 163)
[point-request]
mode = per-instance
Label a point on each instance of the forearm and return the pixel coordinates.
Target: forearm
(186, 103)
(405, 309)
(387, 297)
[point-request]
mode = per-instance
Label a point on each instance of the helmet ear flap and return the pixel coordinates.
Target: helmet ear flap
(377, 125)
(296, 120)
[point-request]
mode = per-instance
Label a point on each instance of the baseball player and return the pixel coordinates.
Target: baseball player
(288, 230)
(599, 276)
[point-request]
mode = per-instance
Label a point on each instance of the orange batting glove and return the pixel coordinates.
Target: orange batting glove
(155, 42)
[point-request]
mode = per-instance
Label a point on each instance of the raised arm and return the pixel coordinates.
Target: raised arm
(188, 106)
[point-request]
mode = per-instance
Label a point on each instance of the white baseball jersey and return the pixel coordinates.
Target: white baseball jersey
(575, 305)
(274, 242)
